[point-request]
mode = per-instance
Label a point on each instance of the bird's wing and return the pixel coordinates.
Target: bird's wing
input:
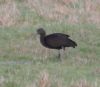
(61, 35)
(55, 40)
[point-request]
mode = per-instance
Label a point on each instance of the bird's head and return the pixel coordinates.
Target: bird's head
(41, 31)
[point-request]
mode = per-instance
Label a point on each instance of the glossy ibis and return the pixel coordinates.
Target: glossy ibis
(56, 40)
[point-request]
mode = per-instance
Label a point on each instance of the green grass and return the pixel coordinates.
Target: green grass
(24, 61)
(20, 75)
(22, 58)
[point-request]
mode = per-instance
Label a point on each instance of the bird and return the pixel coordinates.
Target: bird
(55, 40)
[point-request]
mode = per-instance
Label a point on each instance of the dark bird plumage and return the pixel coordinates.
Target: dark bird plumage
(55, 40)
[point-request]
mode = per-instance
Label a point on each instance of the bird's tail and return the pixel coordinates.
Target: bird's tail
(73, 43)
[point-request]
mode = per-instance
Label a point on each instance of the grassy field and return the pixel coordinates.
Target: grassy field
(25, 63)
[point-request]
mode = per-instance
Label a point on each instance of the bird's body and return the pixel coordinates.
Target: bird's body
(55, 40)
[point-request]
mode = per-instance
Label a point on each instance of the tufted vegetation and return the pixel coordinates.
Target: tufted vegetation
(23, 62)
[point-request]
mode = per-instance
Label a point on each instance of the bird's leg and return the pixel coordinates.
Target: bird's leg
(62, 53)
(59, 54)
(46, 53)
(63, 48)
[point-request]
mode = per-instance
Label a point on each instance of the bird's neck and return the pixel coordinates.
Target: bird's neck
(42, 39)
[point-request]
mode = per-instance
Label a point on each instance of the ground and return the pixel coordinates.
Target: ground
(24, 62)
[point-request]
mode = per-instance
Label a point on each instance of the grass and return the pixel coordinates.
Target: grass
(26, 74)
(24, 62)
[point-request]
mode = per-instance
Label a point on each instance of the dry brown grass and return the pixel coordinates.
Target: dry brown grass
(70, 11)
(49, 9)
(87, 11)
(44, 80)
(9, 13)
(81, 83)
